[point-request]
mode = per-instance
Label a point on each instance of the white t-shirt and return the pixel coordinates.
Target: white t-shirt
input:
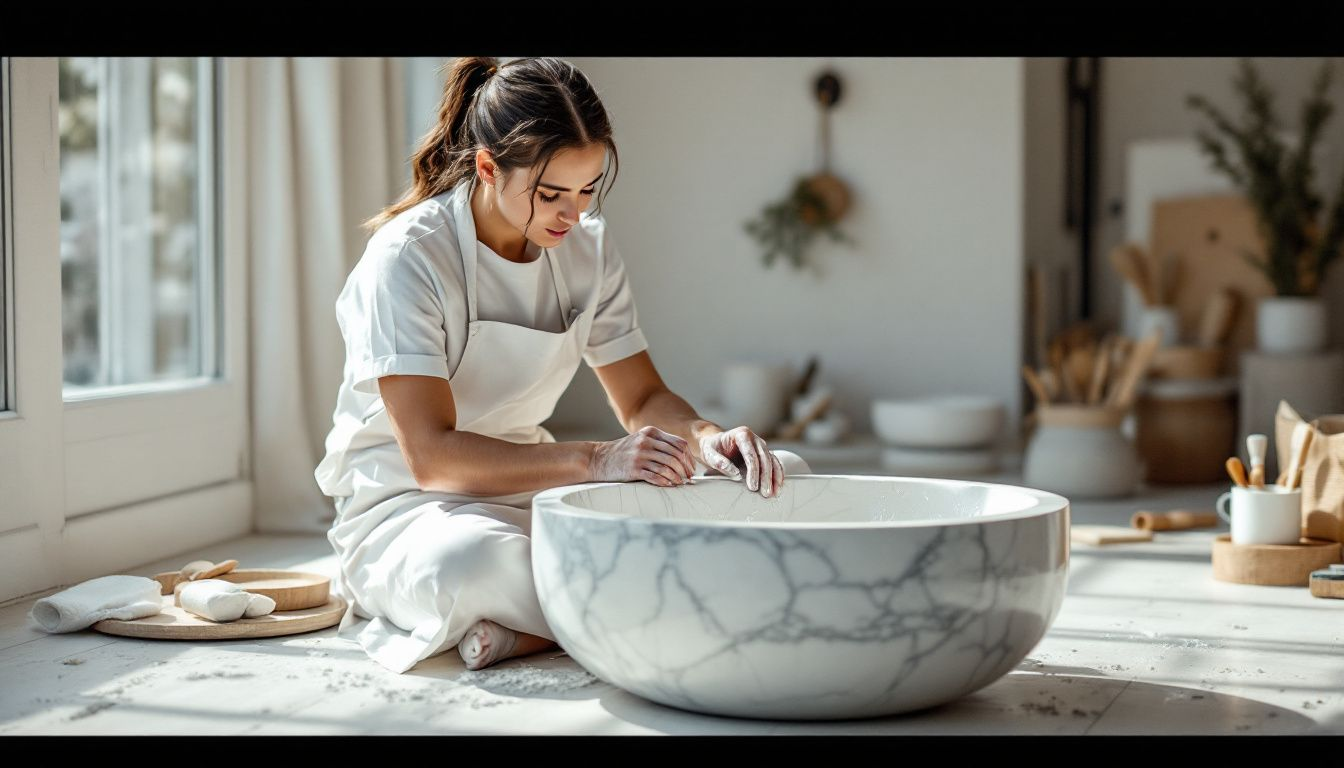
(403, 310)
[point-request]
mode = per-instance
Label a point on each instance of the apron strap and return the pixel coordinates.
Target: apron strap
(561, 289)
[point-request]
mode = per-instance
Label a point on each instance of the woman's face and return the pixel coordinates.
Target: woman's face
(564, 190)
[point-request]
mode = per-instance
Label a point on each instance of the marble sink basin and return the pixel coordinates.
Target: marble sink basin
(847, 596)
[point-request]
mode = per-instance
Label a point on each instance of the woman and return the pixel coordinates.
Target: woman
(477, 296)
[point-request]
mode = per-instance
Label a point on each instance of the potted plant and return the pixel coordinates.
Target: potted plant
(815, 205)
(1277, 181)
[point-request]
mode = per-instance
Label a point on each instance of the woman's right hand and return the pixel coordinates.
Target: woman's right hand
(650, 454)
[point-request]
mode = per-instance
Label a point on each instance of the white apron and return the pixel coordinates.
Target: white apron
(424, 566)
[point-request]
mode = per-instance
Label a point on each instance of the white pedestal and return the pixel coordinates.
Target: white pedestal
(1312, 383)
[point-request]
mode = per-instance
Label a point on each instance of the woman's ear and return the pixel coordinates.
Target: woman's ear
(486, 168)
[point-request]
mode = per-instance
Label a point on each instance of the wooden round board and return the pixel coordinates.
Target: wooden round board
(291, 590)
(173, 623)
(1274, 565)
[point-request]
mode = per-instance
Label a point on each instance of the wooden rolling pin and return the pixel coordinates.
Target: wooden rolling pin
(1175, 520)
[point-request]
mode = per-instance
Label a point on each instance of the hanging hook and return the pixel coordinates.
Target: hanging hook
(828, 89)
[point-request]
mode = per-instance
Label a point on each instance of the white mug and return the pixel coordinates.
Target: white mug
(1272, 515)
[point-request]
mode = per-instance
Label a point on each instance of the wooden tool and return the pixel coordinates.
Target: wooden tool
(1130, 262)
(1080, 369)
(291, 590)
(1099, 535)
(1255, 449)
(1236, 471)
(1101, 366)
(1301, 441)
(1137, 364)
(1215, 322)
(809, 374)
(174, 623)
(1035, 385)
(795, 430)
(1175, 520)
(1275, 565)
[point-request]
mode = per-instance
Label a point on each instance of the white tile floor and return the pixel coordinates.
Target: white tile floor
(1147, 642)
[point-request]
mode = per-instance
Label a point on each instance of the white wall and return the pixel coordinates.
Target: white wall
(930, 299)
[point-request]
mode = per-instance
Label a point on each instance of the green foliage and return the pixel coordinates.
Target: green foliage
(1277, 181)
(787, 227)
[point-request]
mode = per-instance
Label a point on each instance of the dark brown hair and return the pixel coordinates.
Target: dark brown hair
(522, 111)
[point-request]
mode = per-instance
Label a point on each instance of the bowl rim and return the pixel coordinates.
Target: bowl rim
(553, 500)
(950, 402)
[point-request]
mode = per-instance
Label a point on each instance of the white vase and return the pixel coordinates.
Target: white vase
(1290, 324)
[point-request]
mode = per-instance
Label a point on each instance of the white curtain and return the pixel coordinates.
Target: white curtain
(326, 150)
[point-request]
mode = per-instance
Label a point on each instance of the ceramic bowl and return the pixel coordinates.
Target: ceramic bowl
(954, 421)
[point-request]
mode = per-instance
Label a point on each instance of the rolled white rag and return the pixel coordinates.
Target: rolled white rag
(106, 597)
(220, 600)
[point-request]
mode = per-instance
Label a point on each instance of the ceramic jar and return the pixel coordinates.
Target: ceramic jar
(1079, 451)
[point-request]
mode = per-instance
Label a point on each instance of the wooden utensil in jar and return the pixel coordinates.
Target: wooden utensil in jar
(1100, 368)
(1137, 364)
(1217, 318)
(1035, 385)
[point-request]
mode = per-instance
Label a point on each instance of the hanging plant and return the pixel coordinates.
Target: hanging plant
(814, 205)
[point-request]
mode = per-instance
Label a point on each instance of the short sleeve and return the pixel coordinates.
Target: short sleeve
(392, 317)
(615, 334)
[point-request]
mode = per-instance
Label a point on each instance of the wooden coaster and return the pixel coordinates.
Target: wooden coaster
(291, 590)
(1275, 565)
(1107, 534)
(173, 623)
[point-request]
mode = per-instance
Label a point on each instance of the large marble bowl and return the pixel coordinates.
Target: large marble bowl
(844, 597)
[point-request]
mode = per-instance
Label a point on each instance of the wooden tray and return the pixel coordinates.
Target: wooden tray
(1275, 565)
(173, 623)
(291, 590)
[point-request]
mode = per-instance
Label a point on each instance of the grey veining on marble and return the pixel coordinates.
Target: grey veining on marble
(844, 597)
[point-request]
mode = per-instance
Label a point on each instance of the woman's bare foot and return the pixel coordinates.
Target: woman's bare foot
(486, 643)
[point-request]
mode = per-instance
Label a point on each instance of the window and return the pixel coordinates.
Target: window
(124, 430)
(137, 255)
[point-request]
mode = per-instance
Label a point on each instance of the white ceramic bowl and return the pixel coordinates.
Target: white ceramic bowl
(846, 596)
(954, 421)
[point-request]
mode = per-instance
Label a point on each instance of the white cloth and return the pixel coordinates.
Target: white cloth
(424, 566)
(220, 600)
(106, 597)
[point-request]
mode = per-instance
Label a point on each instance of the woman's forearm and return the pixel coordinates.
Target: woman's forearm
(670, 413)
(471, 463)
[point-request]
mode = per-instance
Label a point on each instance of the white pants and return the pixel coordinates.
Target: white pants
(430, 570)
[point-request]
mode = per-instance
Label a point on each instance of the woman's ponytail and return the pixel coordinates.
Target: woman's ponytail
(437, 166)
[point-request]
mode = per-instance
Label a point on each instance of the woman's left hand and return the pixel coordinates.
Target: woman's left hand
(739, 447)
